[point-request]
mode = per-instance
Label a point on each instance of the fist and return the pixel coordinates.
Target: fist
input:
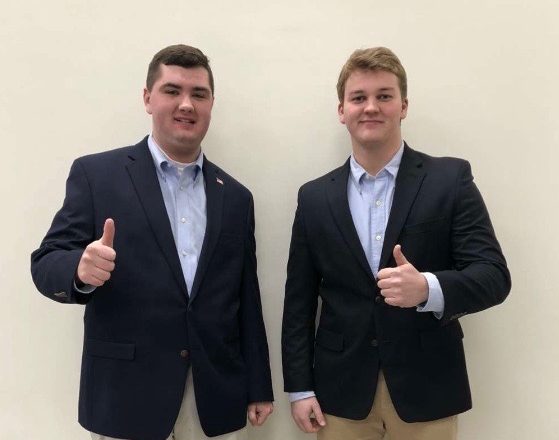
(403, 285)
(98, 258)
(258, 412)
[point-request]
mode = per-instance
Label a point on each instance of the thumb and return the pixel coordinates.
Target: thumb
(252, 413)
(108, 233)
(318, 414)
(399, 256)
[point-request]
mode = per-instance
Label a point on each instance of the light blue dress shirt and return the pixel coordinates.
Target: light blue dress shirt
(184, 194)
(370, 200)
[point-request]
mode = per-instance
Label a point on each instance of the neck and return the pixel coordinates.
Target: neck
(183, 156)
(182, 159)
(374, 158)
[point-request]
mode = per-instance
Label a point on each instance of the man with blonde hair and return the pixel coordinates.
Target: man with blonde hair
(398, 245)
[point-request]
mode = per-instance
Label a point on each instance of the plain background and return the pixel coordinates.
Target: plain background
(482, 86)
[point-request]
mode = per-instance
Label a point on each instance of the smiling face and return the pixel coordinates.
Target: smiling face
(180, 103)
(372, 109)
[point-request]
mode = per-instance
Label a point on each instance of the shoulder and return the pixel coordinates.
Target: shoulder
(444, 166)
(232, 185)
(113, 156)
(317, 186)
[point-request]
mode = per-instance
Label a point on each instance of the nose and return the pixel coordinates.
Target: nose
(186, 104)
(372, 106)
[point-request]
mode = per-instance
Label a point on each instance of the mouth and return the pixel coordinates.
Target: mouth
(371, 121)
(185, 121)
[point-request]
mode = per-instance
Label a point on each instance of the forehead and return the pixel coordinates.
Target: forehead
(182, 76)
(370, 80)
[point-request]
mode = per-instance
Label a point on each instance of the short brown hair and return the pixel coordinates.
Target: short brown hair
(178, 55)
(374, 58)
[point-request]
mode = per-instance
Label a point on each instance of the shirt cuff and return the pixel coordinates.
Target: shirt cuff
(435, 301)
(300, 395)
(86, 288)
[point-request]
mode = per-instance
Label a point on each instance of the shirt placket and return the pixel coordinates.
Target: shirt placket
(184, 222)
(378, 216)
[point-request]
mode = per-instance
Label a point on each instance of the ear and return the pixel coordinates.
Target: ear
(147, 96)
(341, 115)
(404, 111)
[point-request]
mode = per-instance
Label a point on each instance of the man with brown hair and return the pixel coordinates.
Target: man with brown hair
(398, 245)
(158, 243)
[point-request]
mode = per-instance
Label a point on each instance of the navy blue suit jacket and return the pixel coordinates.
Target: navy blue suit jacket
(142, 329)
(439, 218)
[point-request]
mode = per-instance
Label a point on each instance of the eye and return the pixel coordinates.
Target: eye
(172, 92)
(384, 97)
(358, 99)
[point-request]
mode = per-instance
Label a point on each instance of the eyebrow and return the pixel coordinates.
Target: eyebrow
(382, 89)
(171, 85)
(201, 89)
(178, 87)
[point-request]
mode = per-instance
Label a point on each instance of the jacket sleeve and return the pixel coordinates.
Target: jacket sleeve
(300, 308)
(254, 344)
(480, 278)
(54, 263)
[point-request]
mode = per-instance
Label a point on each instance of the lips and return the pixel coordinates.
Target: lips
(185, 121)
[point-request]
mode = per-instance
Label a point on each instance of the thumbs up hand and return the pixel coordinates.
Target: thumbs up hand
(403, 285)
(97, 261)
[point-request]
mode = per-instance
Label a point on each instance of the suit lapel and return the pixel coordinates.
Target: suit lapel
(144, 178)
(214, 208)
(408, 181)
(339, 207)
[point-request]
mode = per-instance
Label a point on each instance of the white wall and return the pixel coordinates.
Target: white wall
(483, 86)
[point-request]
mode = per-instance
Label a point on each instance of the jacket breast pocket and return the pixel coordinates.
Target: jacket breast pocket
(110, 350)
(430, 225)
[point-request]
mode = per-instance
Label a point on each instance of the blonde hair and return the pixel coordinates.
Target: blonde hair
(374, 58)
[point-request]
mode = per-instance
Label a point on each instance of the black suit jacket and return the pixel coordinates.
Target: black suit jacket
(439, 218)
(142, 329)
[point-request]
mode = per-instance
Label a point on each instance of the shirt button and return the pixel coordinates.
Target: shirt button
(181, 188)
(374, 343)
(378, 237)
(378, 203)
(184, 253)
(378, 299)
(183, 220)
(184, 354)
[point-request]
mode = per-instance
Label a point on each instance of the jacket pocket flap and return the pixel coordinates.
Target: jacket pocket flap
(327, 339)
(447, 335)
(425, 226)
(111, 350)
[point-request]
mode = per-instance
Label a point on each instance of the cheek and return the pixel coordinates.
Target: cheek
(205, 114)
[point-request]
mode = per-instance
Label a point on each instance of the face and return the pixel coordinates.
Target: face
(372, 109)
(180, 103)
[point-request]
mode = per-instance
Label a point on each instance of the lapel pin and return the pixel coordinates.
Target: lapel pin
(219, 180)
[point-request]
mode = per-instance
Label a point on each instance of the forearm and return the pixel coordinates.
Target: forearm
(54, 263)
(254, 344)
(299, 312)
(54, 272)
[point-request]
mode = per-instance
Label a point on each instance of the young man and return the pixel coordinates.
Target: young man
(398, 245)
(158, 242)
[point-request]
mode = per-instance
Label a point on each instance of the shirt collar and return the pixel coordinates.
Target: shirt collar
(162, 162)
(357, 171)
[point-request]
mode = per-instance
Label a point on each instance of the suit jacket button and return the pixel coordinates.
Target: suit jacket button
(379, 299)
(184, 354)
(374, 343)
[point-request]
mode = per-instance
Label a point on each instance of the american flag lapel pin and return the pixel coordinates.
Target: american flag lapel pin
(218, 180)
